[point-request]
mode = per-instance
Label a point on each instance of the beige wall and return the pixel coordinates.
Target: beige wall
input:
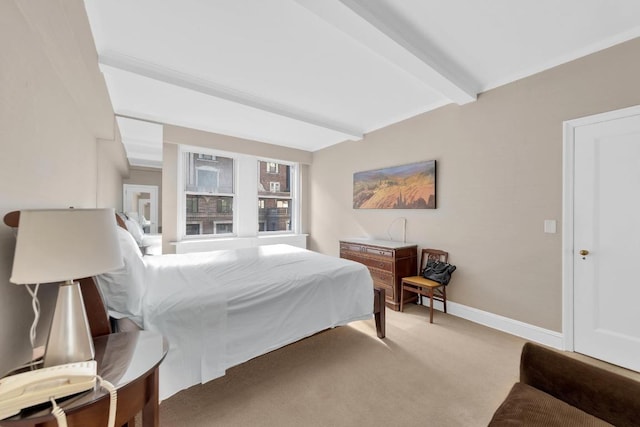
(175, 135)
(169, 196)
(187, 136)
(112, 166)
(499, 176)
(53, 108)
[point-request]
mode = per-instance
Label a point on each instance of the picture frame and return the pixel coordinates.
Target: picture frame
(409, 186)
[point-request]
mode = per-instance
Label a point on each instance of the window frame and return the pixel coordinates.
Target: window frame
(182, 192)
(246, 176)
(294, 196)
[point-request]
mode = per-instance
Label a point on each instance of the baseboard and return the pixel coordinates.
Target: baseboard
(501, 323)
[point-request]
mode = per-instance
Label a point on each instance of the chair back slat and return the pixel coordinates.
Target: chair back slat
(434, 254)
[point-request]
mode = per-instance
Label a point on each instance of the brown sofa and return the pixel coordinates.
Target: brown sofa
(557, 390)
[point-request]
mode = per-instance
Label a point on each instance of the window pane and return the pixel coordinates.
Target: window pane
(204, 173)
(192, 205)
(208, 214)
(193, 229)
(272, 167)
(274, 179)
(274, 214)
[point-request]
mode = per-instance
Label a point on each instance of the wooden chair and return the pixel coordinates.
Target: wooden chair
(425, 287)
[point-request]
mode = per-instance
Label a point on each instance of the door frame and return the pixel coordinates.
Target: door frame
(153, 194)
(568, 177)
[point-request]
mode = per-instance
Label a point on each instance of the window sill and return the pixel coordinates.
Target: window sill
(212, 244)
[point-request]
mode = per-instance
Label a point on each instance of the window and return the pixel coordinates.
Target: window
(193, 229)
(225, 205)
(224, 227)
(275, 198)
(219, 191)
(209, 194)
(192, 204)
(271, 167)
(206, 178)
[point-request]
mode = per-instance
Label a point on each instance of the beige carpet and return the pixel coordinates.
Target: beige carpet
(450, 373)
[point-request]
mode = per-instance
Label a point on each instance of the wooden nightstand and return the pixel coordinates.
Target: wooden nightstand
(128, 360)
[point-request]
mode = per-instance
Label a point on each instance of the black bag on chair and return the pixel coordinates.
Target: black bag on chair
(438, 271)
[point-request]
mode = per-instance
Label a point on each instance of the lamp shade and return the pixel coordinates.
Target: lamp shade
(64, 244)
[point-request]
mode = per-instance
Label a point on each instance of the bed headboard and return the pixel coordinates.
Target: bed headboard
(120, 222)
(12, 219)
(95, 307)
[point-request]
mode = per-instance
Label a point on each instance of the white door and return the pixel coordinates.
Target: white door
(606, 241)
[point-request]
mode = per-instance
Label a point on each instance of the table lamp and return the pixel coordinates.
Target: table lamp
(61, 245)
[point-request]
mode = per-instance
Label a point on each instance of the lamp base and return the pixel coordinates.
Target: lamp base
(69, 337)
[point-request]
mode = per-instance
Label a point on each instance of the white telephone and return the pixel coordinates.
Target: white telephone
(47, 384)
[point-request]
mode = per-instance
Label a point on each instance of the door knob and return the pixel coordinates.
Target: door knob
(584, 252)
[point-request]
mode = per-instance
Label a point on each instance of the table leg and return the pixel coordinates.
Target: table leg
(151, 410)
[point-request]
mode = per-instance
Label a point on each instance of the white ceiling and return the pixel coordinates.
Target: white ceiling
(311, 73)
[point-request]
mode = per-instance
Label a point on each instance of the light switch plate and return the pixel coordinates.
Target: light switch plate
(550, 226)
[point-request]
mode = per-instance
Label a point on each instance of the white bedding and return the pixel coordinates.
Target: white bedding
(221, 308)
(152, 244)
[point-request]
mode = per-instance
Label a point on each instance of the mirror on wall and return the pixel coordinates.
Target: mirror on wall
(140, 203)
(142, 189)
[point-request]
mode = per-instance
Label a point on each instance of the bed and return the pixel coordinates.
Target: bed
(221, 308)
(149, 244)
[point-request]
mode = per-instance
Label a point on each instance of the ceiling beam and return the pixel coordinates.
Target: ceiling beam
(389, 38)
(176, 78)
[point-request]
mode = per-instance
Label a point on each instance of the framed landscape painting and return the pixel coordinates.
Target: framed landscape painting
(411, 186)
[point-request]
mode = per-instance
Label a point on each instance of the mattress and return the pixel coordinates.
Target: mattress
(221, 308)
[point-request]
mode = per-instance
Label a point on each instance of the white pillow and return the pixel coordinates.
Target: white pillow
(123, 288)
(135, 230)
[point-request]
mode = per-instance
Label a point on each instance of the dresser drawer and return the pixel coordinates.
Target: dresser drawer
(344, 246)
(383, 279)
(389, 291)
(383, 264)
(381, 276)
(352, 256)
(379, 251)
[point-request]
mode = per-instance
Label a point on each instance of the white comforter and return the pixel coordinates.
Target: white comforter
(218, 309)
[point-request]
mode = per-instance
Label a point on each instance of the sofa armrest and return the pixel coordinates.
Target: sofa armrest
(601, 393)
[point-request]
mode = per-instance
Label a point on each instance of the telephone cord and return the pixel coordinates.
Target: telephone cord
(35, 305)
(113, 399)
(58, 413)
(61, 418)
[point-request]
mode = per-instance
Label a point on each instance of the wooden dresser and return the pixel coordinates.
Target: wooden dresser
(388, 262)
